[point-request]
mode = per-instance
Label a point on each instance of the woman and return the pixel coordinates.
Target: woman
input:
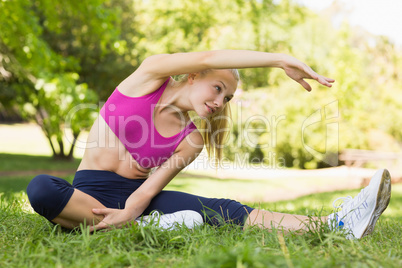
(145, 124)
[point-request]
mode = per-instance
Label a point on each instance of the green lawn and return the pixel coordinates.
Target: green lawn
(28, 240)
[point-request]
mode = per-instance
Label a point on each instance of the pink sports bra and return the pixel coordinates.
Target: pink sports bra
(131, 120)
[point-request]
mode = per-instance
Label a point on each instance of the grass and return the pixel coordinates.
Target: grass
(28, 240)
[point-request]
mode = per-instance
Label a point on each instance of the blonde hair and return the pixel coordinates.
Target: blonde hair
(215, 129)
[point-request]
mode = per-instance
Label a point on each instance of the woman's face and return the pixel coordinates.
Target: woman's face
(211, 91)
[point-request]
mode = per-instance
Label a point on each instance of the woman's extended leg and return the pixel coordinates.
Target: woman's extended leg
(358, 215)
(215, 211)
(287, 222)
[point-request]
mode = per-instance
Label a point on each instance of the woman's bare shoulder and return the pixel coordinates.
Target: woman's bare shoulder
(140, 83)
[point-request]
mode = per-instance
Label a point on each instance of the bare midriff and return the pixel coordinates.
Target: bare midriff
(104, 151)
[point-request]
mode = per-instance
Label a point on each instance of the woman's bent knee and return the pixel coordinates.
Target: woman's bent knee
(48, 195)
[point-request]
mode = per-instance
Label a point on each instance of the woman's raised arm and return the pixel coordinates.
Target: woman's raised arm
(192, 62)
(159, 67)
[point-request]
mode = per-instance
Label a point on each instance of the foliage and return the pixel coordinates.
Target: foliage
(44, 81)
(290, 127)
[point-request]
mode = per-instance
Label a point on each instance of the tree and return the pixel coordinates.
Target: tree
(42, 46)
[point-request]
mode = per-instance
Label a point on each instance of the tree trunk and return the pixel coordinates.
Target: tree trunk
(40, 121)
(70, 154)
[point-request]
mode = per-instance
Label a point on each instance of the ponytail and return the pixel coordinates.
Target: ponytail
(215, 131)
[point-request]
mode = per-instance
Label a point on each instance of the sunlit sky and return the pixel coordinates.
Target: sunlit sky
(380, 17)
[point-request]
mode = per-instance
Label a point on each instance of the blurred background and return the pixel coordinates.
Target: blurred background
(60, 60)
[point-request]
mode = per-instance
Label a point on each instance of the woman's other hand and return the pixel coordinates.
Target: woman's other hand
(299, 71)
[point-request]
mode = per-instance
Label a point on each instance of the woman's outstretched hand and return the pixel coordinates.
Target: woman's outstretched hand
(299, 71)
(113, 218)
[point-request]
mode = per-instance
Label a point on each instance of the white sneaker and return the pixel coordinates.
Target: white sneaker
(171, 221)
(360, 214)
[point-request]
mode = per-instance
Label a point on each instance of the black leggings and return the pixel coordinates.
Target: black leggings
(49, 195)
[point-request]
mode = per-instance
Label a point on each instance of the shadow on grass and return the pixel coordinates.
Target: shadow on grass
(16, 171)
(14, 184)
(18, 162)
